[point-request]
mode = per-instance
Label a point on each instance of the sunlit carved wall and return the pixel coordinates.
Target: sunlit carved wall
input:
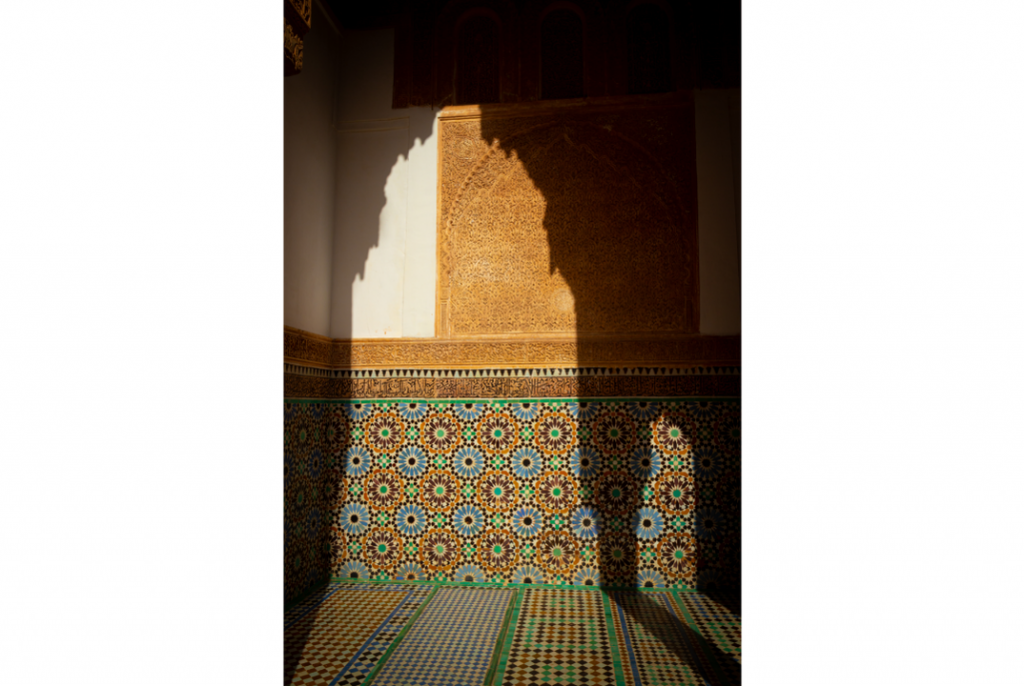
(572, 220)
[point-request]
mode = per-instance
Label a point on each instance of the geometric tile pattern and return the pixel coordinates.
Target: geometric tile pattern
(340, 640)
(625, 492)
(366, 659)
(309, 487)
(308, 603)
(715, 622)
(554, 636)
(560, 638)
(717, 630)
(660, 649)
(452, 642)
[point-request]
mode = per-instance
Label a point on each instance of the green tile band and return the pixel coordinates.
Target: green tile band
(493, 401)
(499, 644)
(620, 676)
(507, 648)
(492, 584)
(400, 636)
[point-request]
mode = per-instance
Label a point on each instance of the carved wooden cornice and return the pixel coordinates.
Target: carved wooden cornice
(560, 107)
(298, 14)
(308, 349)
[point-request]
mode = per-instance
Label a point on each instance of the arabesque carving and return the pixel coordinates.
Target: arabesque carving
(303, 8)
(567, 220)
(292, 50)
(302, 347)
(301, 386)
(298, 14)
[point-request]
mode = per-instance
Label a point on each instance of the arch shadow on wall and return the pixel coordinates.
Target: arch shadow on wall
(374, 170)
(600, 181)
(613, 183)
(315, 481)
(619, 228)
(316, 486)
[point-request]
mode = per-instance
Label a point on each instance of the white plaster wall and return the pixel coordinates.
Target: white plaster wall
(369, 256)
(718, 203)
(384, 261)
(421, 236)
(309, 172)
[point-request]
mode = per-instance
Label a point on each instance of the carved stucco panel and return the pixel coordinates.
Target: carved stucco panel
(565, 225)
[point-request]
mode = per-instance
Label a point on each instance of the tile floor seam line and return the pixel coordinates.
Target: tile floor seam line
(373, 636)
(629, 645)
(506, 650)
(401, 634)
(559, 634)
(500, 644)
(354, 620)
(620, 676)
(456, 635)
(688, 620)
(527, 634)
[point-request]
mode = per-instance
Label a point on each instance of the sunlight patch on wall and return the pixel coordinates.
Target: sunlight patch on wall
(377, 290)
(384, 247)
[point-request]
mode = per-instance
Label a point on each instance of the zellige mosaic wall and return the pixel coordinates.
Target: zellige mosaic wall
(619, 492)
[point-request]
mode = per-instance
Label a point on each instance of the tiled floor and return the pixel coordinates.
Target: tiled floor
(452, 642)
(413, 634)
(560, 637)
(340, 640)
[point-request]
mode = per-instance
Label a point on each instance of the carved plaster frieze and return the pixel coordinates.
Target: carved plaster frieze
(301, 347)
(621, 386)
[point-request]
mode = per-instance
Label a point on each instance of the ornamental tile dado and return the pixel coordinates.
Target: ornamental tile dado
(647, 491)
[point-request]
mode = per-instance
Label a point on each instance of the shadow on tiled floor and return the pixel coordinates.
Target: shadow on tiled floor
(663, 644)
(362, 634)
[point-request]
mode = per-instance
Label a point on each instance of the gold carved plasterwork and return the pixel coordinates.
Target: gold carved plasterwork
(298, 14)
(308, 348)
(567, 221)
(292, 50)
(303, 9)
(302, 347)
(300, 386)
